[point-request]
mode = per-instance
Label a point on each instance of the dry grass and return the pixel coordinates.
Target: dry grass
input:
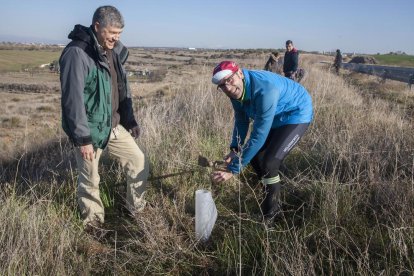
(348, 191)
(35, 239)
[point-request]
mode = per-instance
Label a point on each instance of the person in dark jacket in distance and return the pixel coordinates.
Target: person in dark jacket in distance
(281, 111)
(290, 60)
(97, 111)
(338, 61)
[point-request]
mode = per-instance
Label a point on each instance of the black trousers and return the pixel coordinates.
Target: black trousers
(267, 161)
(279, 143)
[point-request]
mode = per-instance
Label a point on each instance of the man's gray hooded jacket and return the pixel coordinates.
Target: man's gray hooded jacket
(86, 89)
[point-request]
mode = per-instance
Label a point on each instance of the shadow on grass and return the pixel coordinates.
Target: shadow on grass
(40, 171)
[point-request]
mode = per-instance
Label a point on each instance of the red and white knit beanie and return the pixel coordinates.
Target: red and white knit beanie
(223, 69)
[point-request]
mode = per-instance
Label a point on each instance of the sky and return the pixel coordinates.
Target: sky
(360, 26)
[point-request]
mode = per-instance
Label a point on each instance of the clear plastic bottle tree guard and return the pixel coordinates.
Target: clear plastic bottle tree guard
(205, 214)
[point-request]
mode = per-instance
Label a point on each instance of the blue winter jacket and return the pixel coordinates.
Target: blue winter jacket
(271, 101)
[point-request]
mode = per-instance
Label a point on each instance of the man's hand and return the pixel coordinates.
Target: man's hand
(87, 152)
(229, 157)
(220, 176)
(135, 132)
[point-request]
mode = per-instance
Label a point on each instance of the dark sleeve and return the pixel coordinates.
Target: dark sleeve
(72, 78)
(126, 110)
(126, 113)
(295, 61)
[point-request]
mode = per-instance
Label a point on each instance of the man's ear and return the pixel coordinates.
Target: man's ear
(96, 26)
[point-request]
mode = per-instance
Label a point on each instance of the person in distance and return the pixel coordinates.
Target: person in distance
(290, 60)
(273, 63)
(338, 61)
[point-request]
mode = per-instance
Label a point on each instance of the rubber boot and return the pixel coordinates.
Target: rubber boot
(270, 205)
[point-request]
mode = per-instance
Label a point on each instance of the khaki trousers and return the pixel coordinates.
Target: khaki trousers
(122, 146)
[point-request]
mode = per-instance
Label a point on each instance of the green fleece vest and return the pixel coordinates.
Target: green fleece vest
(97, 100)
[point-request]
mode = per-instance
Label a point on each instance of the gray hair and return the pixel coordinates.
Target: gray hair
(108, 16)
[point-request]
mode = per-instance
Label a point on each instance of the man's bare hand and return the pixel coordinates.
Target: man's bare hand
(221, 176)
(87, 152)
(135, 132)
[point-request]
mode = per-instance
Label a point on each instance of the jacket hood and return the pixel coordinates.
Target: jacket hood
(87, 35)
(82, 33)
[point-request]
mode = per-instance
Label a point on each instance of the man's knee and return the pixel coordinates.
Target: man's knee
(88, 179)
(138, 157)
(138, 164)
(271, 168)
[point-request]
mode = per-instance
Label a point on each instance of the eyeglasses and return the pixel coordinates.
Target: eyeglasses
(227, 81)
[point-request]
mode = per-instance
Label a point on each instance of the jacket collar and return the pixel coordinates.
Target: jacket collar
(294, 50)
(247, 93)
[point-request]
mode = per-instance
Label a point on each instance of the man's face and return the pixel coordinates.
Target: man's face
(232, 85)
(107, 36)
(289, 47)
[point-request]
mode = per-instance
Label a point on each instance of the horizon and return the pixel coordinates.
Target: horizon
(352, 26)
(62, 45)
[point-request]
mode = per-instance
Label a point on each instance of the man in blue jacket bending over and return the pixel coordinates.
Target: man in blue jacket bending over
(281, 110)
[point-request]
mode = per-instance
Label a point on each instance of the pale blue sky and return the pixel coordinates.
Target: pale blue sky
(363, 26)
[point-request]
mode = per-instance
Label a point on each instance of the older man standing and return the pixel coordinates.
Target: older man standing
(97, 111)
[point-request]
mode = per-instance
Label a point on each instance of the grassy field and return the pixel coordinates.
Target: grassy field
(395, 60)
(348, 188)
(17, 60)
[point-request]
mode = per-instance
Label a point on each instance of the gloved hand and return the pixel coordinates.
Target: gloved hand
(229, 157)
